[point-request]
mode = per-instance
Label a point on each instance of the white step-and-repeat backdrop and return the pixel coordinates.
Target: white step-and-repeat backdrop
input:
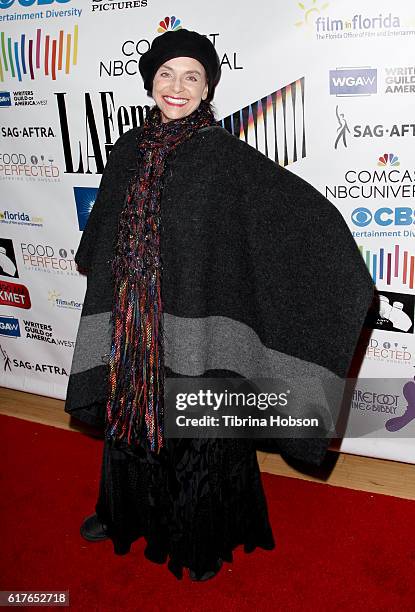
(324, 88)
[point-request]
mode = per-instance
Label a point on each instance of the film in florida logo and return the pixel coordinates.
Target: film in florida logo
(43, 54)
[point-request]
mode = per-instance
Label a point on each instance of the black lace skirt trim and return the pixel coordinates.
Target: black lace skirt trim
(193, 503)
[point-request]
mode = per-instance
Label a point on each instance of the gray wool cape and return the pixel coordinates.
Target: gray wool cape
(261, 278)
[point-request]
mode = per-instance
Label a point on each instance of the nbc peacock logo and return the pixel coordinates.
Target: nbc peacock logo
(388, 159)
(169, 23)
(43, 54)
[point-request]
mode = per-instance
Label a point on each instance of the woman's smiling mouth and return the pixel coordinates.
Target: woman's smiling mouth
(175, 101)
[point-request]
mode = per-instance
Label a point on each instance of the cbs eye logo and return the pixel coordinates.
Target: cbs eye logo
(361, 217)
(383, 216)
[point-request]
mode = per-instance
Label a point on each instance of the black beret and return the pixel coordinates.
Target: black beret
(180, 43)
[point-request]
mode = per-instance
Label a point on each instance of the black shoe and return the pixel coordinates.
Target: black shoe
(207, 575)
(93, 530)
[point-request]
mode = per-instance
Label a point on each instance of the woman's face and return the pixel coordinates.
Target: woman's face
(179, 85)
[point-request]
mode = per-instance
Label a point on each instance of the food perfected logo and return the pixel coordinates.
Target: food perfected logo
(390, 352)
(169, 23)
(15, 166)
(40, 257)
(13, 294)
(40, 53)
(353, 81)
(5, 98)
(8, 264)
(9, 326)
(385, 351)
(85, 200)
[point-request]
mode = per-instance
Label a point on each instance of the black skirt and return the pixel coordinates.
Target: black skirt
(193, 503)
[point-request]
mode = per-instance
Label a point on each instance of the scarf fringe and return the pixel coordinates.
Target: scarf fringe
(135, 407)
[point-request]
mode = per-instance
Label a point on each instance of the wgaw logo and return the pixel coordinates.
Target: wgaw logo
(353, 81)
(9, 326)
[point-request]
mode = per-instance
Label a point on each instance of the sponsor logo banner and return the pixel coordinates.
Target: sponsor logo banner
(85, 200)
(14, 294)
(392, 265)
(12, 217)
(353, 81)
(400, 80)
(56, 300)
(8, 265)
(5, 98)
(383, 350)
(59, 53)
(44, 332)
(11, 364)
(9, 326)
(27, 132)
(99, 7)
(39, 257)
(392, 312)
(22, 167)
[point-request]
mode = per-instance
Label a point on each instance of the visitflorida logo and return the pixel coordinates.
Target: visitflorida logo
(353, 81)
(23, 57)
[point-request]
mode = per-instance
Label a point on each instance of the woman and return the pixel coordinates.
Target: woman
(190, 268)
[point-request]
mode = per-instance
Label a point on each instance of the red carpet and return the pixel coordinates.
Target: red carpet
(336, 549)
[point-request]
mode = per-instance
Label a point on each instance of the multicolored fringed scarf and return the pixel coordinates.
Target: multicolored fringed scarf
(136, 376)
